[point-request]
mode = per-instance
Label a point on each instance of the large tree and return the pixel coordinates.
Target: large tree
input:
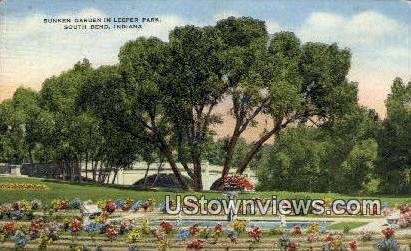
(289, 82)
(121, 137)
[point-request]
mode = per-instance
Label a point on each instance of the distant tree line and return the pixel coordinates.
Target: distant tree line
(158, 103)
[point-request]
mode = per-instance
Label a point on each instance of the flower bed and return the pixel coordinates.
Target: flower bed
(23, 186)
(237, 182)
(33, 226)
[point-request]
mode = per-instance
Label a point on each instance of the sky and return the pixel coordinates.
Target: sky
(378, 34)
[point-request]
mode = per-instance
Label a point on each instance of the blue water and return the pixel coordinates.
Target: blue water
(263, 224)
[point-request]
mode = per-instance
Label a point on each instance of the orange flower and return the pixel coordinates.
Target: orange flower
(194, 229)
(111, 232)
(76, 225)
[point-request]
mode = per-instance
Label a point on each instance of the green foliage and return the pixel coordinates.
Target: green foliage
(20, 120)
(216, 151)
(394, 140)
(339, 156)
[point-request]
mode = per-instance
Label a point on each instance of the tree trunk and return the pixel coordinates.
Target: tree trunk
(100, 172)
(198, 181)
(257, 145)
(71, 165)
(229, 154)
(31, 155)
(108, 174)
(167, 153)
(146, 174)
(63, 170)
(78, 166)
(164, 148)
(114, 176)
(94, 167)
(87, 166)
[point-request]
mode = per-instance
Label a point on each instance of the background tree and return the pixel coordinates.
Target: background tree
(338, 156)
(394, 140)
(19, 118)
(57, 96)
(124, 122)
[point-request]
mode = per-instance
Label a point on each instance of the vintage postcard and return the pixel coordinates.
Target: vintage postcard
(205, 125)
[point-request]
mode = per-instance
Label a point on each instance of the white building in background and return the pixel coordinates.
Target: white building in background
(210, 173)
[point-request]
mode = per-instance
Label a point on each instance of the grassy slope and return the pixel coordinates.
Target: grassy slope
(349, 225)
(60, 190)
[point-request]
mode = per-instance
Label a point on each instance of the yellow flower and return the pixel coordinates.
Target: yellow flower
(145, 225)
(313, 228)
(239, 225)
(134, 235)
(101, 204)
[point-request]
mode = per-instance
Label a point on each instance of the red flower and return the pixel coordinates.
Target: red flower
(405, 209)
(238, 181)
(111, 232)
(76, 225)
(195, 245)
(194, 229)
(15, 206)
(291, 246)
(297, 230)
(110, 207)
(353, 245)
(388, 232)
(64, 204)
(218, 228)
(166, 226)
(329, 238)
(36, 226)
(8, 228)
(255, 233)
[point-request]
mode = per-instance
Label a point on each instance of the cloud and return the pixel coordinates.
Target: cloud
(396, 52)
(379, 45)
(361, 29)
(272, 26)
(33, 50)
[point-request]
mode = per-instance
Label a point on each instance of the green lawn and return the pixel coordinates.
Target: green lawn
(346, 225)
(62, 190)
